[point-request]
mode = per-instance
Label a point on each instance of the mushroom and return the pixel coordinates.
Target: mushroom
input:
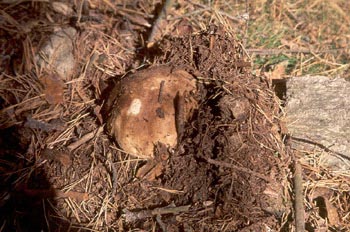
(144, 107)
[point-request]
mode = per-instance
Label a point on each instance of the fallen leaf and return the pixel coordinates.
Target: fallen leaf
(279, 71)
(332, 213)
(53, 88)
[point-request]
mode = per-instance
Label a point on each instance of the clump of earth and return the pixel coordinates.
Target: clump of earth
(227, 163)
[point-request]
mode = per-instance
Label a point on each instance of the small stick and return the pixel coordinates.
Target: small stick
(299, 199)
(131, 216)
(84, 139)
(156, 25)
(242, 64)
(36, 124)
(161, 223)
(114, 178)
(242, 169)
(134, 18)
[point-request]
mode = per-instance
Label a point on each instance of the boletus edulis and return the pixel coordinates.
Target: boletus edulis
(148, 107)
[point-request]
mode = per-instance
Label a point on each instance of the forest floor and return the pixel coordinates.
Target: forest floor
(233, 169)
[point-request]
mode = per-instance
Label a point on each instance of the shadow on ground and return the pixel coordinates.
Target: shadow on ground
(27, 199)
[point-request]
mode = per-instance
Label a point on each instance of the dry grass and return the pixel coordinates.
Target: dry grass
(312, 36)
(302, 37)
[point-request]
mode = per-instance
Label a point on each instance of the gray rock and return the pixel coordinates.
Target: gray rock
(318, 116)
(57, 53)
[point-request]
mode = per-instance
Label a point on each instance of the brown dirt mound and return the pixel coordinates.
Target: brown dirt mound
(228, 163)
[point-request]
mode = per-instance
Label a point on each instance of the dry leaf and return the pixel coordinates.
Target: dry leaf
(53, 88)
(279, 71)
(332, 213)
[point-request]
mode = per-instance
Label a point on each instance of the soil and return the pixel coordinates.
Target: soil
(221, 160)
(61, 170)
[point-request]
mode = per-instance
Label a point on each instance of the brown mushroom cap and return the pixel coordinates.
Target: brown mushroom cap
(143, 109)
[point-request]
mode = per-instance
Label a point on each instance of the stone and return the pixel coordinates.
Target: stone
(56, 54)
(318, 116)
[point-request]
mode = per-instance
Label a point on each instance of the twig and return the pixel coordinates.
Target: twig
(11, 20)
(84, 139)
(242, 169)
(131, 216)
(156, 25)
(134, 18)
(321, 146)
(36, 124)
(161, 223)
(45, 215)
(299, 199)
(114, 179)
